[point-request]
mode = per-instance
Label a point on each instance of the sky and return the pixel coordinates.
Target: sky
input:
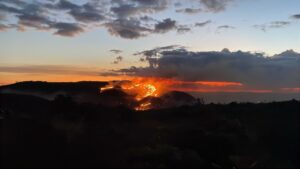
(251, 42)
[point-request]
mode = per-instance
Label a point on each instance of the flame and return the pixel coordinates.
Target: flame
(142, 88)
(143, 106)
(107, 87)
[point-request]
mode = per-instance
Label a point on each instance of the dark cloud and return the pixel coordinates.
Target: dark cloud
(215, 5)
(134, 28)
(125, 10)
(296, 16)
(115, 51)
(118, 60)
(34, 20)
(5, 8)
(253, 70)
(151, 56)
(15, 2)
(42, 15)
(189, 10)
(127, 28)
(129, 19)
(136, 7)
(165, 26)
(201, 24)
(88, 14)
(183, 29)
(67, 29)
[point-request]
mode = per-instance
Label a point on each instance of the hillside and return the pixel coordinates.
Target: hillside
(37, 132)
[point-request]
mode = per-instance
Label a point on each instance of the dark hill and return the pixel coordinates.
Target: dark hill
(177, 98)
(85, 91)
(54, 87)
(61, 133)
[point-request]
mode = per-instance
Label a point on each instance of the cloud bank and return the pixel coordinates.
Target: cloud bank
(253, 70)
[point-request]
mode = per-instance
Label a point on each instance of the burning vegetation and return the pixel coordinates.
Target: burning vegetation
(148, 92)
(139, 88)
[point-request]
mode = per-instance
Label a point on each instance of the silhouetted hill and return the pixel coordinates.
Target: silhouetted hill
(53, 87)
(90, 92)
(81, 127)
(85, 91)
(37, 132)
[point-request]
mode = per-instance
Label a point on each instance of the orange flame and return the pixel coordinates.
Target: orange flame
(141, 88)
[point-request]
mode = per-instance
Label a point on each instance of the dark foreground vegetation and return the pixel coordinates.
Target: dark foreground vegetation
(36, 132)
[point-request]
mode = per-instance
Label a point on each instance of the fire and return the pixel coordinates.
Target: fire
(143, 106)
(107, 87)
(141, 88)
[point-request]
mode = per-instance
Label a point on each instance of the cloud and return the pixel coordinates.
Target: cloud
(116, 51)
(296, 16)
(48, 69)
(225, 27)
(202, 24)
(253, 70)
(278, 24)
(183, 29)
(215, 5)
(136, 7)
(151, 56)
(189, 10)
(118, 60)
(67, 29)
(274, 24)
(127, 28)
(165, 26)
(87, 14)
(129, 19)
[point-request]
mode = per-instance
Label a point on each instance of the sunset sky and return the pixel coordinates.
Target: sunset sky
(206, 45)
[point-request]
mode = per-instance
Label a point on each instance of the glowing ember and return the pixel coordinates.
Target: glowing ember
(143, 106)
(108, 87)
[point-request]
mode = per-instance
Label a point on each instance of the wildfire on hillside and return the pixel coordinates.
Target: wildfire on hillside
(141, 88)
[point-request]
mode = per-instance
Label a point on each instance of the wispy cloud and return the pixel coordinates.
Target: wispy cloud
(116, 51)
(49, 69)
(202, 24)
(117, 60)
(271, 25)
